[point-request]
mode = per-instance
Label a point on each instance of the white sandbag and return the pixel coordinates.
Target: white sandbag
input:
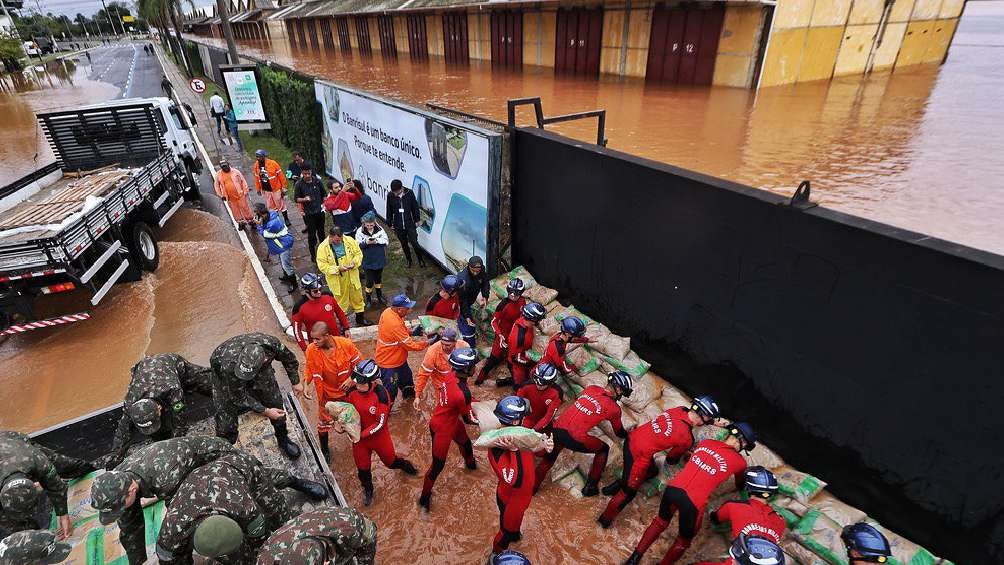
(345, 414)
(671, 396)
(540, 342)
(582, 359)
(540, 294)
(524, 438)
(484, 411)
(836, 510)
(589, 379)
(549, 326)
(764, 457)
(645, 390)
(603, 340)
(432, 325)
(799, 554)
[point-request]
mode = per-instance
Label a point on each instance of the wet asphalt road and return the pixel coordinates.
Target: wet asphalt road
(137, 74)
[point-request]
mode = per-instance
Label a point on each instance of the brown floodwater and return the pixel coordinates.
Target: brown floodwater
(919, 148)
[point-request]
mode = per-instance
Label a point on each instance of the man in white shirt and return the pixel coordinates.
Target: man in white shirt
(216, 105)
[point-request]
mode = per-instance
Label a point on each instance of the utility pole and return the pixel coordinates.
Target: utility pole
(109, 16)
(221, 7)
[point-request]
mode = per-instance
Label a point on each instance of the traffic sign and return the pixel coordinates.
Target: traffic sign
(197, 85)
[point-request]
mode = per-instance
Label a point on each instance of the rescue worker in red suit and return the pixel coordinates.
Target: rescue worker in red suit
(571, 429)
(710, 465)
(753, 517)
(446, 302)
(751, 550)
(672, 432)
(316, 306)
(372, 402)
(520, 343)
(506, 313)
(573, 331)
(449, 418)
(514, 469)
(544, 398)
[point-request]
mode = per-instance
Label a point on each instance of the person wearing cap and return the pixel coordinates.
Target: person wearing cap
(339, 258)
(278, 240)
(436, 364)
(865, 544)
(157, 470)
(232, 188)
(402, 215)
(316, 305)
(270, 182)
(712, 463)
(372, 402)
(753, 517)
(320, 537)
(393, 344)
(474, 288)
(373, 240)
(329, 363)
(33, 547)
(309, 195)
(243, 379)
(23, 463)
(155, 401)
(670, 432)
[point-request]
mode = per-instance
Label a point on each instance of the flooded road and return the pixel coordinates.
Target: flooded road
(920, 148)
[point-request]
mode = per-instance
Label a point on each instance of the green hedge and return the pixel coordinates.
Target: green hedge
(192, 52)
(295, 114)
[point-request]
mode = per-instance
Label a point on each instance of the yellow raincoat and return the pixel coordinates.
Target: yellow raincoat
(346, 287)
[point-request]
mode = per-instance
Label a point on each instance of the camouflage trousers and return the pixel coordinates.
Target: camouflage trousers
(227, 413)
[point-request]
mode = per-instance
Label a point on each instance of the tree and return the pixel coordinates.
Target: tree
(11, 54)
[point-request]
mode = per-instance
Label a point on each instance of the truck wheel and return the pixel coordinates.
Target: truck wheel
(143, 247)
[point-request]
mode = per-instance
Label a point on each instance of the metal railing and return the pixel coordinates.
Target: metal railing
(600, 115)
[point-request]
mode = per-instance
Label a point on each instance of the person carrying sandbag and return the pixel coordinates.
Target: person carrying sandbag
(753, 516)
(329, 365)
(506, 313)
(544, 397)
(449, 418)
(595, 405)
(710, 465)
(570, 338)
(865, 544)
(514, 469)
(520, 343)
(672, 432)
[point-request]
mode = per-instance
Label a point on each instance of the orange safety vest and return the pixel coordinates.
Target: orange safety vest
(394, 341)
(276, 176)
(330, 368)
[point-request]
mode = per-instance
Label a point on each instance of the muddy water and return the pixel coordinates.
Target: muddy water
(919, 148)
(54, 375)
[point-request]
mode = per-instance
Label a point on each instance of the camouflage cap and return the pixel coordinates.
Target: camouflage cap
(145, 413)
(18, 494)
(217, 535)
(31, 547)
(108, 495)
(251, 359)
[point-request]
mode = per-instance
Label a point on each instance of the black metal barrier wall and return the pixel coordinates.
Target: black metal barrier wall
(867, 355)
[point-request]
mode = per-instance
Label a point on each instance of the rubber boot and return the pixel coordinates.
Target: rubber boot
(379, 295)
(361, 320)
(468, 450)
(285, 216)
(282, 438)
(366, 479)
(424, 501)
(312, 489)
(612, 488)
(675, 551)
(590, 488)
(322, 437)
(369, 297)
(634, 559)
(404, 465)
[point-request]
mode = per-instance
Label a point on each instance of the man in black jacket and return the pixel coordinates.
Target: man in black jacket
(402, 215)
(474, 281)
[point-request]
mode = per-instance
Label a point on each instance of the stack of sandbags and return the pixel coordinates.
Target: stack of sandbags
(432, 325)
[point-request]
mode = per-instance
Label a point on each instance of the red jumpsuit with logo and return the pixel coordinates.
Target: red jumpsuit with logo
(710, 465)
(506, 314)
(521, 342)
(543, 405)
(514, 470)
(443, 307)
(448, 425)
(671, 432)
(753, 518)
(374, 410)
(308, 312)
(571, 431)
(555, 353)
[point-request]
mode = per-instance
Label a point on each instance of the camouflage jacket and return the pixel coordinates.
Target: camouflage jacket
(224, 360)
(19, 455)
(216, 488)
(161, 467)
(352, 535)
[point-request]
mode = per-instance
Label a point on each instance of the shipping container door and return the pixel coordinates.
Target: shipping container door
(691, 39)
(300, 33)
(657, 44)
(385, 25)
(344, 40)
(455, 44)
(326, 35)
(577, 41)
(507, 39)
(418, 43)
(707, 48)
(363, 35)
(312, 33)
(289, 32)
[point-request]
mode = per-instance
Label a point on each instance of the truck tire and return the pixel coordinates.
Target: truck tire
(143, 250)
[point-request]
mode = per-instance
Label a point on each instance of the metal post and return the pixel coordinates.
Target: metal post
(109, 17)
(221, 9)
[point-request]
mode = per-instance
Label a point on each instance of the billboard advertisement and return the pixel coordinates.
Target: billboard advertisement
(241, 82)
(452, 168)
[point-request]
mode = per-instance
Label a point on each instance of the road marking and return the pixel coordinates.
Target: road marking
(132, 67)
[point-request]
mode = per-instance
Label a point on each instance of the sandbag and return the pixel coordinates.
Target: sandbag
(540, 342)
(671, 396)
(485, 351)
(602, 340)
(630, 364)
(789, 509)
(434, 324)
(834, 509)
(821, 536)
(573, 311)
(347, 416)
(540, 294)
(484, 411)
(583, 360)
(589, 379)
(798, 485)
(499, 283)
(525, 438)
(905, 552)
(764, 457)
(645, 390)
(549, 326)
(800, 554)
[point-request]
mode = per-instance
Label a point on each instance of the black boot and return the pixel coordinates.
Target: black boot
(322, 437)
(404, 465)
(369, 298)
(314, 490)
(379, 296)
(590, 489)
(366, 479)
(634, 559)
(424, 501)
(361, 320)
(282, 438)
(285, 216)
(612, 488)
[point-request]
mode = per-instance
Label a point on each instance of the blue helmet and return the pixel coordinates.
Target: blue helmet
(745, 433)
(760, 482)
(366, 371)
(261, 153)
(511, 409)
(573, 326)
(621, 381)
(515, 286)
(706, 407)
(450, 283)
(867, 541)
(463, 358)
(510, 557)
(545, 374)
(534, 312)
(755, 550)
(311, 281)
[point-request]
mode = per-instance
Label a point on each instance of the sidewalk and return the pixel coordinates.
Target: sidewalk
(418, 283)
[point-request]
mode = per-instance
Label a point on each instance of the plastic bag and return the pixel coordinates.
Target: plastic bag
(583, 360)
(630, 364)
(484, 411)
(836, 510)
(345, 414)
(525, 438)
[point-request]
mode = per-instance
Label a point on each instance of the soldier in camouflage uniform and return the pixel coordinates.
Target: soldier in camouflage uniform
(24, 463)
(243, 380)
(33, 547)
(192, 519)
(157, 470)
(155, 400)
(332, 536)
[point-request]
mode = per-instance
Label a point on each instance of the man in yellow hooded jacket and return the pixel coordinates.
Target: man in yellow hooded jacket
(339, 259)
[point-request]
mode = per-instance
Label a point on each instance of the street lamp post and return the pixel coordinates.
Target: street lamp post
(228, 33)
